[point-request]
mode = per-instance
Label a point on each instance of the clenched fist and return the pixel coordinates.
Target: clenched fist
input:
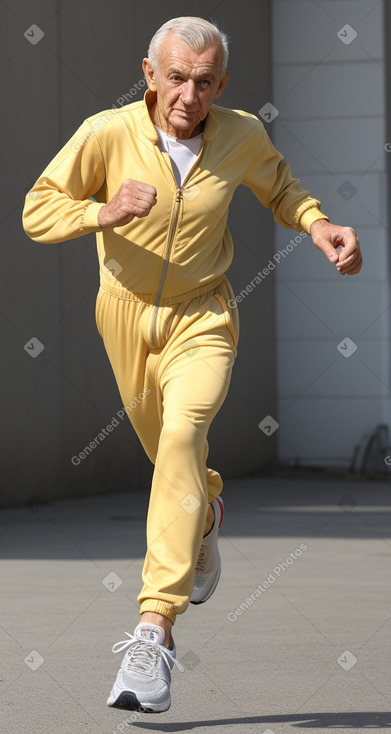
(133, 199)
(339, 244)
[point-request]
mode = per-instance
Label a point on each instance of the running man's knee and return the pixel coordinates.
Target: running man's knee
(183, 430)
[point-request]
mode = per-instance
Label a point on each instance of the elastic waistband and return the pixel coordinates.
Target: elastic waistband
(126, 295)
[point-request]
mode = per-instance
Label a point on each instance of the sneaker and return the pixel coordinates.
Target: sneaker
(144, 678)
(208, 567)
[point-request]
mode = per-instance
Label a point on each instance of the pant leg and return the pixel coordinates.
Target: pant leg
(193, 372)
(121, 325)
(184, 384)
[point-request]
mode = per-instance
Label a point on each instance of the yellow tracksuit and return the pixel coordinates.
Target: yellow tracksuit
(164, 307)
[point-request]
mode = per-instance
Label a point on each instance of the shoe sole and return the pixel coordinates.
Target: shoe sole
(210, 593)
(221, 505)
(128, 700)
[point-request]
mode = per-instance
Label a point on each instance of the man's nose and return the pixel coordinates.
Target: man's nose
(189, 92)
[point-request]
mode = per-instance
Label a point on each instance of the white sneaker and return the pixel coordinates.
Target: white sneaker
(144, 678)
(208, 567)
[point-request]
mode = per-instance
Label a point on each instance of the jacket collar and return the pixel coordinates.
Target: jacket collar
(210, 128)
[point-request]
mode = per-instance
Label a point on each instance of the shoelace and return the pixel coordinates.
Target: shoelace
(144, 654)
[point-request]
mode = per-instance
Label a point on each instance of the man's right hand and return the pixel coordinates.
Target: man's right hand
(133, 199)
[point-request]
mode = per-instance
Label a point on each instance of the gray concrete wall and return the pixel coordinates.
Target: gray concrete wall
(55, 402)
(329, 87)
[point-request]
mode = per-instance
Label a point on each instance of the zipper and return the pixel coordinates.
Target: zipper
(167, 250)
(166, 259)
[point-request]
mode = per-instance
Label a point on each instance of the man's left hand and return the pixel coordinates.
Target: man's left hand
(328, 237)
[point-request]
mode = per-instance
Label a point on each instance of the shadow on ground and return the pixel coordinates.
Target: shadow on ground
(342, 720)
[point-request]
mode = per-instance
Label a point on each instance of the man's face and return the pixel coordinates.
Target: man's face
(186, 83)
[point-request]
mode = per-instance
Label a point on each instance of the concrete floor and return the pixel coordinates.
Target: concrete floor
(309, 651)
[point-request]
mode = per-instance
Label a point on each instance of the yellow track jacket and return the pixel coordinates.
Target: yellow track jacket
(184, 243)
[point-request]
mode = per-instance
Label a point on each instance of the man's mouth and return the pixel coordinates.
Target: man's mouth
(187, 112)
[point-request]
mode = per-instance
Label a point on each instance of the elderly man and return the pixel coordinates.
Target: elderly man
(154, 180)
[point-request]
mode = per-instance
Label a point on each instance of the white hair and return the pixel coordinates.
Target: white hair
(198, 33)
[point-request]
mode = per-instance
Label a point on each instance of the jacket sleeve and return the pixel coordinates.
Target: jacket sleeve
(269, 177)
(58, 207)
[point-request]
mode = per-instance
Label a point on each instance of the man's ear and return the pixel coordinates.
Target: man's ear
(149, 74)
(222, 84)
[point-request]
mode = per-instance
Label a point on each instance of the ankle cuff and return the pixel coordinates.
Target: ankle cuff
(159, 607)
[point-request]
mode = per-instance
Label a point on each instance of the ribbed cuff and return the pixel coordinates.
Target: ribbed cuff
(159, 607)
(89, 219)
(309, 217)
(306, 213)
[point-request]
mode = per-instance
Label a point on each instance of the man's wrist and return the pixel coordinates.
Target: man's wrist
(321, 221)
(309, 216)
(99, 217)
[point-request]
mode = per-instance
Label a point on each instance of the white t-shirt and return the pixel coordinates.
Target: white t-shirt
(183, 153)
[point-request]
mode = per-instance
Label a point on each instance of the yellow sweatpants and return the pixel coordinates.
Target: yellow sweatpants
(180, 356)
